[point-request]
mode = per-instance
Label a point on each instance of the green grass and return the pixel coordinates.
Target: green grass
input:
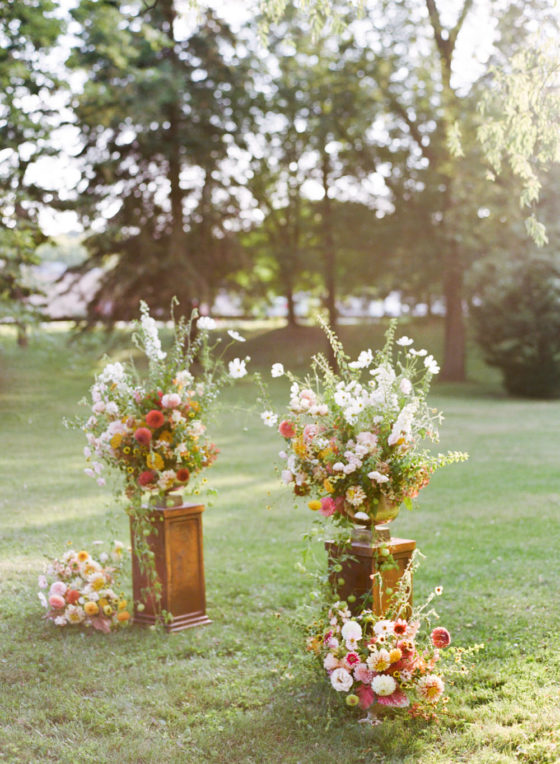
(242, 689)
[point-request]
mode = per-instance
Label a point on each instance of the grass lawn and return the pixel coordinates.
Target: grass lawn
(243, 689)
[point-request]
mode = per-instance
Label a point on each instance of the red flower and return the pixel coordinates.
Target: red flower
(397, 699)
(400, 627)
(286, 429)
(154, 419)
(143, 436)
(72, 596)
(440, 637)
(147, 477)
(183, 475)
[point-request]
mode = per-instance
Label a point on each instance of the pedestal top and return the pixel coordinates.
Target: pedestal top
(396, 546)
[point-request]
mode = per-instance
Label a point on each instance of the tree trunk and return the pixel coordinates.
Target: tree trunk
(455, 338)
(22, 338)
(329, 252)
(292, 320)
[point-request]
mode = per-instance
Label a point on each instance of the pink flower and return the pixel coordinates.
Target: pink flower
(309, 432)
(143, 436)
(147, 477)
(362, 673)
(440, 637)
(366, 695)
(286, 429)
(171, 401)
(56, 601)
(400, 627)
(59, 587)
(352, 658)
(328, 506)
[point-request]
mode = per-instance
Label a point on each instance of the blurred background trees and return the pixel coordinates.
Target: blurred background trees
(344, 163)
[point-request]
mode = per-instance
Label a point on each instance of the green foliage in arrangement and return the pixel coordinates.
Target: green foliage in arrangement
(243, 689)
(517, 321)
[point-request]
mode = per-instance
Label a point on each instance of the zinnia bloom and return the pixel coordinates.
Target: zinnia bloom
(383, 684)
(143, 436)
(440, 637)
(91, 608)
(183, 475)
(328, 506)
(351, 630)
(56, 601)
(170, 401)
(146, 477)
(154, 419)
(286, 429)
(430, 687)
(72, 596)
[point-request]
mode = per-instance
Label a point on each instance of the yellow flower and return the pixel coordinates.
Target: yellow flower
(91, 608)
(116, 440)
(126, 449)
(324, 453)
(299, 447)
(395, 655)
(130, 469)
(83, 556)
(122, 604)
(166, 436)
(314, 645)
(328, 486)
(314, 504)
(103, 603)
(195, 406)
(107, 609)
(154, 461)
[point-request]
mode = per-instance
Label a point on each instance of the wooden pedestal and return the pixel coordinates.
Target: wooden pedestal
(177, 544)
(357, 573)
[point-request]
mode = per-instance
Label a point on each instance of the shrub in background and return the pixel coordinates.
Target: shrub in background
(516, 315)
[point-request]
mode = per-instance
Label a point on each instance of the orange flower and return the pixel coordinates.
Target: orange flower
(91, 608)
(83, 556)
(123, 616)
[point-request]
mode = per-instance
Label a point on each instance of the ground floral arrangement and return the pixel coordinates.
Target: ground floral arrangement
(354, 439)
(80, 590)
(390, 662)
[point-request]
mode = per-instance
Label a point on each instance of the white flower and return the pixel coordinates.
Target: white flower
(237, 368)
(277, 370)
(430, 687)
(87, 452)
(152, 343)
(355, 496)
(269, 418)
(405, 386)
(170, 400)
(89, 472)
(111, 408)
(330, 662)
(287, 476)
(377, 476)
(342, 680)
(112, 373)
(101, 481)
(42, 599)
(74, 614)
(403, 341)
(60, 620)
(42, 581)
(364, 360)
(184, 377)
(98, 408)
(431, 364)
(383, 685)
(206, 323)
(103, 557)
(236, 336)
(383, 627)
(167, 479)
(338, 467)
(351, 630)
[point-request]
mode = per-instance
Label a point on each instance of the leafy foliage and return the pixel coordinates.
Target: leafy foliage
(517, 320)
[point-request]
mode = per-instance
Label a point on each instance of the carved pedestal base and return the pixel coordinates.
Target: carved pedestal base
(176, 541)
(357, 576)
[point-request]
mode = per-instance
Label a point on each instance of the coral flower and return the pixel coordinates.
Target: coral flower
(146, 477)
(286, 429)
(183, 475)
(72, 596)
(440, 637)
(123, 616)
(143, 436)
(154, 419)
(328, 506)
(56, 601)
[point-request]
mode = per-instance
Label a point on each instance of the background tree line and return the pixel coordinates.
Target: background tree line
(342, 164)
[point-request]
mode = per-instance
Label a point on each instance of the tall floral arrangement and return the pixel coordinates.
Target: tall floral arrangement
(354, 440)
(152, 427)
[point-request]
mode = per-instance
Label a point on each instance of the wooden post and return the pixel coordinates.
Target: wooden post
(176, 541)
(358, 572)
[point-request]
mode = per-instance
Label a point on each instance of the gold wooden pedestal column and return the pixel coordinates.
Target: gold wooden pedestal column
(177, 544)
(358, 573)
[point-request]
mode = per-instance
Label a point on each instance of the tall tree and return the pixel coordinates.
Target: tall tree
(158, 113)
(28, 30)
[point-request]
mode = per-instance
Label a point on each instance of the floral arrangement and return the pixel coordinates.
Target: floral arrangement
(152, 430)
(354, 439)
(382, 662)
(81, 590)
